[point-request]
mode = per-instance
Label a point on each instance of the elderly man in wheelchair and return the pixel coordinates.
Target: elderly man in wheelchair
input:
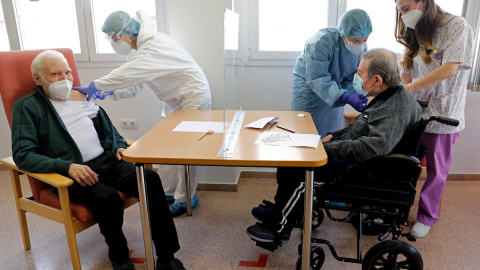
(361, 171)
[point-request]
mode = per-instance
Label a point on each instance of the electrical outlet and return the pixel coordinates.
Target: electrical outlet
(129, 123)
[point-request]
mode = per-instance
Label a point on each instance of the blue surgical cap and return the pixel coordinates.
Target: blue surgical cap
(355, 23)
(120, 21)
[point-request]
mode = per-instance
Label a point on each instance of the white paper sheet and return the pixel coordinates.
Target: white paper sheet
(288, 139)
(261, 123)
(199, 126)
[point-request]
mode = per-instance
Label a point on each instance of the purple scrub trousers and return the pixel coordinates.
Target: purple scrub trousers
(439, 157)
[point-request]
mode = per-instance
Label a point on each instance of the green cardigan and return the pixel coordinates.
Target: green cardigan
(41, 142)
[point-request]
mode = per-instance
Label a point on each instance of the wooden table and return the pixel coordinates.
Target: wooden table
(163, 146)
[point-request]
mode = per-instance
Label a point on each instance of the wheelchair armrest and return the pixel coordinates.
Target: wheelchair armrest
(440, 119)
(399, 158)
(53, 179)
(422, 103)
(444, 120)
(390, 168)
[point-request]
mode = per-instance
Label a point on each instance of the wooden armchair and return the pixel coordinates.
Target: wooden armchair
(16, 81)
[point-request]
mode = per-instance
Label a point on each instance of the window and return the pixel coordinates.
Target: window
(33, 24)
(278, 29)
(4, 44)
(101, 9)
(41, 27)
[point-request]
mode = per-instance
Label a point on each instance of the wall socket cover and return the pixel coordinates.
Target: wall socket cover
(129, 123)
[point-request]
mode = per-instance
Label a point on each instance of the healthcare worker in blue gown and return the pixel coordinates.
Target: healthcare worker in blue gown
(323, 73)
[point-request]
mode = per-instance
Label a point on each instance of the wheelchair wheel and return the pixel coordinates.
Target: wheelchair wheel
(317, 218)
(317, 258)
(392, 254)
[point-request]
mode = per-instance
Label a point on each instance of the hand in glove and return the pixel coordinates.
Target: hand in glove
(89, 91)
(102, 94)
(357, 101)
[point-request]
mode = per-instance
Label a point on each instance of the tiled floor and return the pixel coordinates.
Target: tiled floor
(214, 237)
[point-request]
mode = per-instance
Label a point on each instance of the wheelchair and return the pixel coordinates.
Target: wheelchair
(377, 195)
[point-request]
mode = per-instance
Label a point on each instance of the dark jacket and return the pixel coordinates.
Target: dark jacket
(41, 142)
(378, 128)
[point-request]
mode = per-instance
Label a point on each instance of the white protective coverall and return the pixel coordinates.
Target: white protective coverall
(170, 71)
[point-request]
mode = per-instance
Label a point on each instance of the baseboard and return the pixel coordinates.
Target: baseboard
(453, 177)
(464, 177)
(217, 187)
(258, 174)
(234, 187)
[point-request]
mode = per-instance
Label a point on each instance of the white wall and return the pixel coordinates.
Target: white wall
(198, 26)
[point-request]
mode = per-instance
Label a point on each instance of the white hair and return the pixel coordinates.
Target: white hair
(39, 61)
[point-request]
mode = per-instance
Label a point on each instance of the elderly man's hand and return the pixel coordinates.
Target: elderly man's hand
(327, 138)
(82, 174)
(119, 153)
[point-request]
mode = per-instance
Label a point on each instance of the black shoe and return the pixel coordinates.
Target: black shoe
(174, 264)
(261, 232)
(262, 213)
(123, 265)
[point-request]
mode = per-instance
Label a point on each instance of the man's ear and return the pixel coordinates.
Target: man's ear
(37, 79)
(378, 80)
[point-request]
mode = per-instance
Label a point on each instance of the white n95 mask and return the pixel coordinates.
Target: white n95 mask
(121, 47)
(411, 18)
(355, 48)
(60, 89)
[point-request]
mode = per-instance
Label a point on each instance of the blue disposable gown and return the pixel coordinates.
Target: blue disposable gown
(322, 73)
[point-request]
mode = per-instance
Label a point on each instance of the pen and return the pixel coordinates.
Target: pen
(272, 125)
(206, 133)
(286, 129)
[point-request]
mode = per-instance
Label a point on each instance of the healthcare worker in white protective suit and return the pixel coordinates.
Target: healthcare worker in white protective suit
(159, 62)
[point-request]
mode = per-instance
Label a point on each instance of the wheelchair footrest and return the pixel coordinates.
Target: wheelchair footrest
(268, 246)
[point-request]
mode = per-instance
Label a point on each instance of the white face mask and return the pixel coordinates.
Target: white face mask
(355, 48)
(358, 85)
(121, 47)
(59, 89)
(411, 18)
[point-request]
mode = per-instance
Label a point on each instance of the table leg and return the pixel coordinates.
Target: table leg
(307, 224)
(142, 200)
(188, 190)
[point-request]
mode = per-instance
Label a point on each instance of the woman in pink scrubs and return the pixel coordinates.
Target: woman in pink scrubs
(435, 67)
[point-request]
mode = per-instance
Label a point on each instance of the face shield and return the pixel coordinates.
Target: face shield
(116, 38)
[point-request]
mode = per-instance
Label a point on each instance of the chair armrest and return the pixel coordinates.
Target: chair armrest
(53, 179)
(130, 141)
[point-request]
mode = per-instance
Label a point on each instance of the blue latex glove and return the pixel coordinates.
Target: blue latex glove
(356, 100)
(89, 91)
(102, 94)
